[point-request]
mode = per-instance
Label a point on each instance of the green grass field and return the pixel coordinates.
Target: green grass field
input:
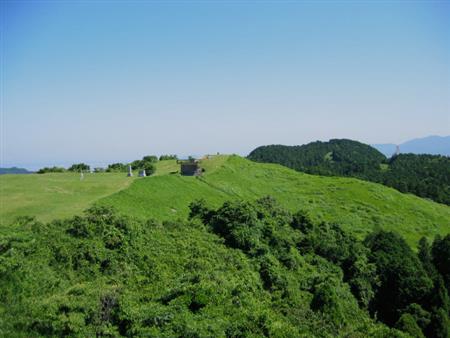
(60, 195)
(358, 206)
(55, 195)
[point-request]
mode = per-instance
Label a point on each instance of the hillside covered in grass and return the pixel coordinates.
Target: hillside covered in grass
(49, 196)
(359, 206)
(423, 175)
(54, 195)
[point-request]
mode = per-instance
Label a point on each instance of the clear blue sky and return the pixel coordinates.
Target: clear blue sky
(104, 81)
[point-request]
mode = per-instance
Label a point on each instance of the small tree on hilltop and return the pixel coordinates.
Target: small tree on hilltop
(51, 170)
(150, 158)
(117, 167)
(149, 168)
(168, 157)
(79, 167)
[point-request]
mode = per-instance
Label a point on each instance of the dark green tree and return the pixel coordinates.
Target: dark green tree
(302, 221)
(168, 157)
(147, 163)
(199, 209)
(425, 256)
(408, 324)
(136, 164)
(421, 316)
(150, 159)
(342, 249)
(438, 298)
(51, 170)
(79, 167)
(149, 168)
(441, 257)
(403, 280)
(439, 326)
(117, 167)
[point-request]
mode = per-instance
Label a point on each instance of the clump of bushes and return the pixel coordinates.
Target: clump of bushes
(51, 170)
(79, 167)
(117, 167)
(168, 157)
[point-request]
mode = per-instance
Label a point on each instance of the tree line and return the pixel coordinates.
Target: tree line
(146, 163)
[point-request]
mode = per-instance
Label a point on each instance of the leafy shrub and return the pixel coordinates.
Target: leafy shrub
(407, 323)
(79, 167)
(403, 279)
(51, 170)
(168, 157)
(117, 167)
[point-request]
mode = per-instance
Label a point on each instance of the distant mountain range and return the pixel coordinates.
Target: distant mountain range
(14, 170)
(433, 145)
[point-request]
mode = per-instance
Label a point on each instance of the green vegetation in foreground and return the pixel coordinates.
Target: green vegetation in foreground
(359, 206)
(245, 269)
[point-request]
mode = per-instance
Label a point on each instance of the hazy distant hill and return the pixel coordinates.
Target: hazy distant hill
(434, 145)
(14, 170)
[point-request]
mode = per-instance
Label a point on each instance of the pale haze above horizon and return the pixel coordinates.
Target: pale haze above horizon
(109, 81)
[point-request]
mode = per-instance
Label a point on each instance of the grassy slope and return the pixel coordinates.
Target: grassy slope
(56, 195)
(358, 205)
(61, 195)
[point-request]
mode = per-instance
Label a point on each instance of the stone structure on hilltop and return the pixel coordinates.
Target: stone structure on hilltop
(190, 167)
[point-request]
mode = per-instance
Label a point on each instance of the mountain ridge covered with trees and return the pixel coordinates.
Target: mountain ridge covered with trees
(423, 175)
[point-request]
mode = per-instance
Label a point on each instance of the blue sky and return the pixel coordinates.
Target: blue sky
(100, 81)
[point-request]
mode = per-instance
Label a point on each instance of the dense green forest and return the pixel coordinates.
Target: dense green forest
(244, 269)
(423, 175)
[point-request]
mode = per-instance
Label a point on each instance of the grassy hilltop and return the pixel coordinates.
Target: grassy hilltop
(357, 205)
